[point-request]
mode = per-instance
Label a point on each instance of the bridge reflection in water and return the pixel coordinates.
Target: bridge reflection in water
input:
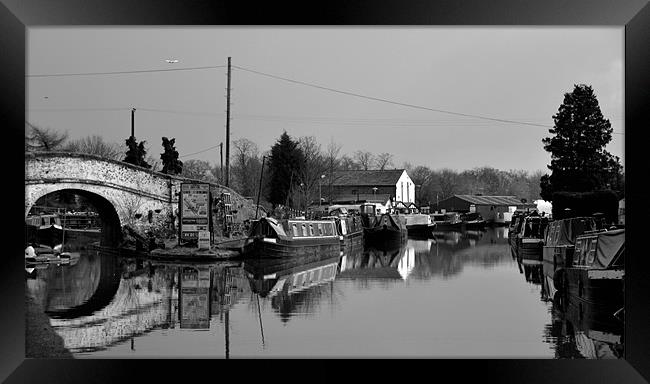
(109, 306)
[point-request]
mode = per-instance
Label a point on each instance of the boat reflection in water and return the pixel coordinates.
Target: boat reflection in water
(293, 285)
(109, 306)
(583, 330)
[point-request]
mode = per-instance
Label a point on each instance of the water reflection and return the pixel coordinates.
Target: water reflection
(294, 286)
(580, 329)
(111, 306)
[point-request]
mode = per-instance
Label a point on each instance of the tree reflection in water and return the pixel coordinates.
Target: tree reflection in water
(149, 295)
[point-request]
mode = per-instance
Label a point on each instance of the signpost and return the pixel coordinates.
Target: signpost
(195, 214)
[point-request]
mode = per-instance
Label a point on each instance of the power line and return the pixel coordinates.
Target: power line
(389, 101)
(122, 72)
(201, 151)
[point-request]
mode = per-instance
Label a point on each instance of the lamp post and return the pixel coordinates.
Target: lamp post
(320, 195)
(374, 192)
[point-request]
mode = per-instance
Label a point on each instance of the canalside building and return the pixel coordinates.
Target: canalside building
(383, 188)
(493, 209)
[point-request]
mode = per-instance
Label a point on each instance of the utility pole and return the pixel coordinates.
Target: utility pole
(133, 122)
(228, 128)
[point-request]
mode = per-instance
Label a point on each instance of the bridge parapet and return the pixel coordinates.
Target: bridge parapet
(133, 195)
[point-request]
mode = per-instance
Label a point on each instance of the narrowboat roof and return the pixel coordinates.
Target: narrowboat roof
(609, 247)
(565, 231)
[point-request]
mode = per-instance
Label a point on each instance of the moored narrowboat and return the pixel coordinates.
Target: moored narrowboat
(43, 229)
(559, 245)
(383, 230)
(349, 229)
(271, 238)
(448, 221)
(596, 275)
(530, 238)
(473, 220)
(417, 224)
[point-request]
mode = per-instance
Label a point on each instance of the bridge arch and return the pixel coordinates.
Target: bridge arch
(111, 224)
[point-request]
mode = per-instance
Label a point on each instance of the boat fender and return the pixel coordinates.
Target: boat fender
(30, 252)
(558, 280)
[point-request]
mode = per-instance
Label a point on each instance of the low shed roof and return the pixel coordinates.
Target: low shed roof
(490, 200)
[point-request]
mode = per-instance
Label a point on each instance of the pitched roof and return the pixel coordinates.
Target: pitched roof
(368, 178)
(490, 200)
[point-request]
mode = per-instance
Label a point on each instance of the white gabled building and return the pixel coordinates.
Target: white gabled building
(383, 188)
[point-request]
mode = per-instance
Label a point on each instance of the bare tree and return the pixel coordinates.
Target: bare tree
(333, 162)
(95, 145)
(384, 161)
(348, 164)
(448, 180)
(314, 168)
(245, 167)
(365, 159)
(197, 170)
(43, 139)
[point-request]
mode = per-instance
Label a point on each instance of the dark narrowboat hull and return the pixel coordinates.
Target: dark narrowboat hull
(51, 236)
(475, 224)
(384, 236)
(530, 249)
(261, 248)
(601, 288)
(352, 239)
(421, 230)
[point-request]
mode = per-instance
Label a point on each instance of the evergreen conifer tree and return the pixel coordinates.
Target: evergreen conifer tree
(171, 163)
(135, 153)
(579, 161)
(285, 163)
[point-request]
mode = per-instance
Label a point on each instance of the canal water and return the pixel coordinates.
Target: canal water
(454, 295)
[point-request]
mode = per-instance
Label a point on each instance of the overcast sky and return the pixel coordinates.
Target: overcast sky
(511, 73)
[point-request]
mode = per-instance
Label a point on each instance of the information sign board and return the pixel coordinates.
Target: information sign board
(195, 213)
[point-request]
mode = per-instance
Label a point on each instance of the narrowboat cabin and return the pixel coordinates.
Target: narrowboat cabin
(473, 220)
(349, 229)
(598, 269)
(559, 245)
(417, 224)
(271, 238)
(513, 230)
(448, 221)
(530, 238)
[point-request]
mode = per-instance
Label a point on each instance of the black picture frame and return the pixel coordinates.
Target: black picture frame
(18, 15)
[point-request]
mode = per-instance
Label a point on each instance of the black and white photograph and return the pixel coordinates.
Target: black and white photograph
(325, 192)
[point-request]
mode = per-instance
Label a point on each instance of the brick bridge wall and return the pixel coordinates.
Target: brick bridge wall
(119, 190)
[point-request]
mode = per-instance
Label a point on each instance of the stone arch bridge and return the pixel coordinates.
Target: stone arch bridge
(124, 194)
